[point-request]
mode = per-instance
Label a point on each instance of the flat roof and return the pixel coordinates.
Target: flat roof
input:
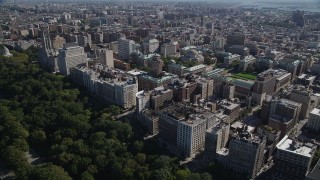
(286, 145)
(315, 111)
(196, 67)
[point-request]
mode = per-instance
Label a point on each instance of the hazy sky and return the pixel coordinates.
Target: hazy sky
(265, 1)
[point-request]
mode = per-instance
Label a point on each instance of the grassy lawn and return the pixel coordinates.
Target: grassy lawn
(244, 76)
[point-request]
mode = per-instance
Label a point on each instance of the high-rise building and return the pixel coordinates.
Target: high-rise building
(84, 40)
(302, 95)
(273, 138)
(71, 56)
(150, 120)
(314, 120)
(156, 66)
(205, 87)
(216, 138)
(246, 152)
(150, 46)
(111, 85)
(230, 109)
(283, 115)
(298, 18)
(183, 90)
(159, 97)
(219, 43)
(293, 159)
(168, 49)
(48, 55)
(268, 82)
(142, 100)
(204, 20)
(126, 47)
(191, 135)
(265, 83)
(106, 58)
(183, 134)
(228, 91)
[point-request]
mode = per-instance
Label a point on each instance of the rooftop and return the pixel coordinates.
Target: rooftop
(295, 147)
(165, 77)
(193, 120)
(194, 68)
(315, 111)
(306, 77)
(217, 127)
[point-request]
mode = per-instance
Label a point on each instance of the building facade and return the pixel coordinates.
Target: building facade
(71, 56)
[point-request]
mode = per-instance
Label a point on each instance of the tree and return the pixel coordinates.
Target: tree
(46, 112)
(87, 176)
(14, 158)
(137, 145)
(205, 176)
(162, 174)
(194, 176)
(208, 60)
(140, 158)
(114, 110)
(182, 174)
(49, 172)
(162, 162)
(37, 137)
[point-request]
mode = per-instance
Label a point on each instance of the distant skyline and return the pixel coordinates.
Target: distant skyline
(237, 2)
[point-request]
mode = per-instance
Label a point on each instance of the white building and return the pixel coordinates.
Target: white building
(191, 136)
(106, 58)
(120, 90)
(142, 100)
(293, 159)
(168, 49)
(219, 43)
(314, 120)
(244, 63)
(228, 60)
(126, 47)
(150, 46)
(71, 56)
(125, 93)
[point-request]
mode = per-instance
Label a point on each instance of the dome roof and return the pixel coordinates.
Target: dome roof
(193, 52)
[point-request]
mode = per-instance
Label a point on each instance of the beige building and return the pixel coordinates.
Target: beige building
(191, 136)
(302, 95)
(106, 58)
